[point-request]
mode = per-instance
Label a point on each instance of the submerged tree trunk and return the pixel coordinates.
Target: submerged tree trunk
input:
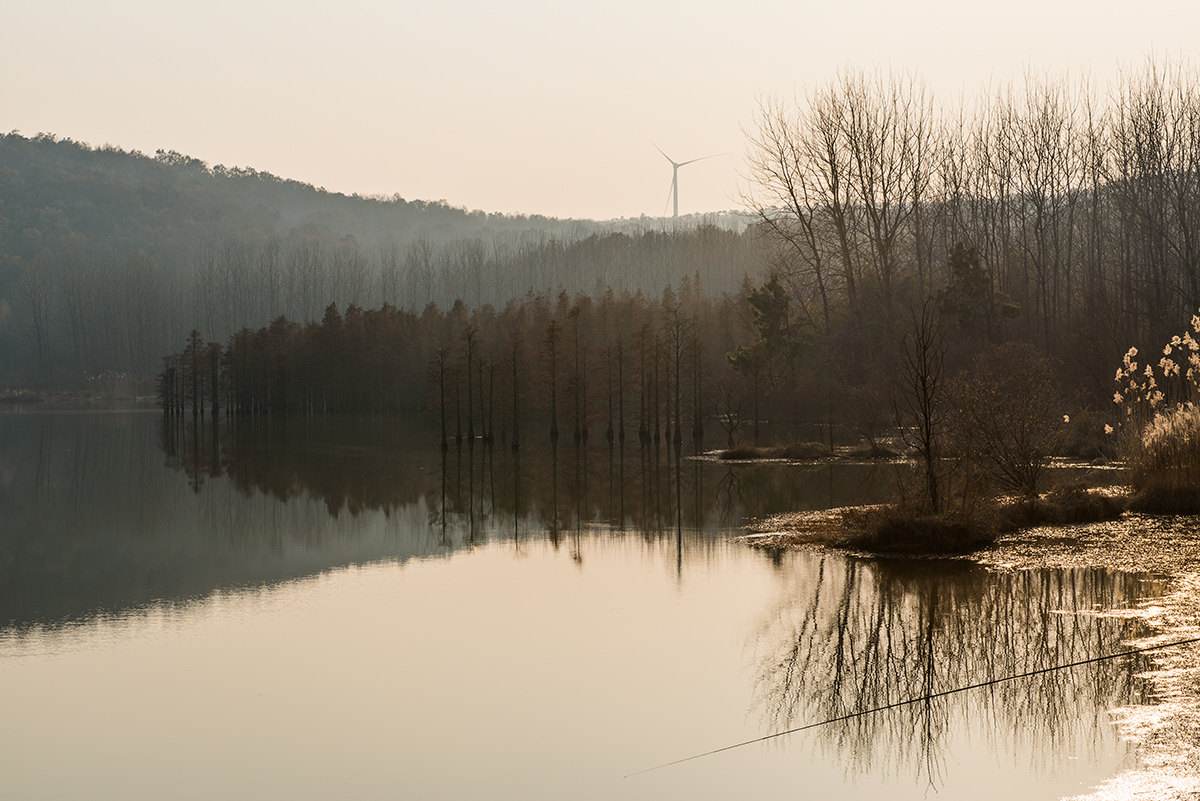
(516, 406)
(552, 343)
(620, 393)
(470, 393)
(491, 418)
(441, 362)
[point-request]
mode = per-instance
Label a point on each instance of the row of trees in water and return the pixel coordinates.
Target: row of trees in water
(614, 365)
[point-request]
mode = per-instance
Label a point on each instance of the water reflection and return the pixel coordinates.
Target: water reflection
(357, 465)
(851, 635)
(92, 524)
(106, 516)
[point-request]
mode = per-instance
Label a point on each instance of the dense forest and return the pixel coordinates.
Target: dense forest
(107, 257)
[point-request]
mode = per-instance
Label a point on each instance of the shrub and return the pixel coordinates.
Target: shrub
(902, 529)
(1008, 415)
(907, 530)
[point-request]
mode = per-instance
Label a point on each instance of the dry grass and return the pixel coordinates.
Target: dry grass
(1165, 463)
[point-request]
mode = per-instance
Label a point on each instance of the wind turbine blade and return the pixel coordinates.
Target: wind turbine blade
(702, 158)
(665, 156)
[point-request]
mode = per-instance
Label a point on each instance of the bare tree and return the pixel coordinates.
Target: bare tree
(919, 401)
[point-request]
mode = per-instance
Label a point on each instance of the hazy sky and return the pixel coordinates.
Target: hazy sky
(527, 105)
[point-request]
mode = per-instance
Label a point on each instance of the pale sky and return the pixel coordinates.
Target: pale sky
(520, 106)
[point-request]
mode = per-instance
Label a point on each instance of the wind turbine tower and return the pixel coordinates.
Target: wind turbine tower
(675, 165)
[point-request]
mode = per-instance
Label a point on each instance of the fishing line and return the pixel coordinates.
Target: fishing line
(911, 701)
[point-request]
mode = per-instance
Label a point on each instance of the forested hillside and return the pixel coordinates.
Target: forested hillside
(108, 257)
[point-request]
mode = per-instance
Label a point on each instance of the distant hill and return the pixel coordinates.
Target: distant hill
(52, 187)
(107, 255)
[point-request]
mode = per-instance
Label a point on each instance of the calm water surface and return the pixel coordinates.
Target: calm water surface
(329, 611)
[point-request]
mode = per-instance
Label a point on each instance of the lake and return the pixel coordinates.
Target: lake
(315, 610)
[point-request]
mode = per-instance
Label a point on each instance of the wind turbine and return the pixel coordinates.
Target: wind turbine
(675, 165)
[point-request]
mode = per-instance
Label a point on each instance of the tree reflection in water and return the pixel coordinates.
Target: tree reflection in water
(850, 635)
